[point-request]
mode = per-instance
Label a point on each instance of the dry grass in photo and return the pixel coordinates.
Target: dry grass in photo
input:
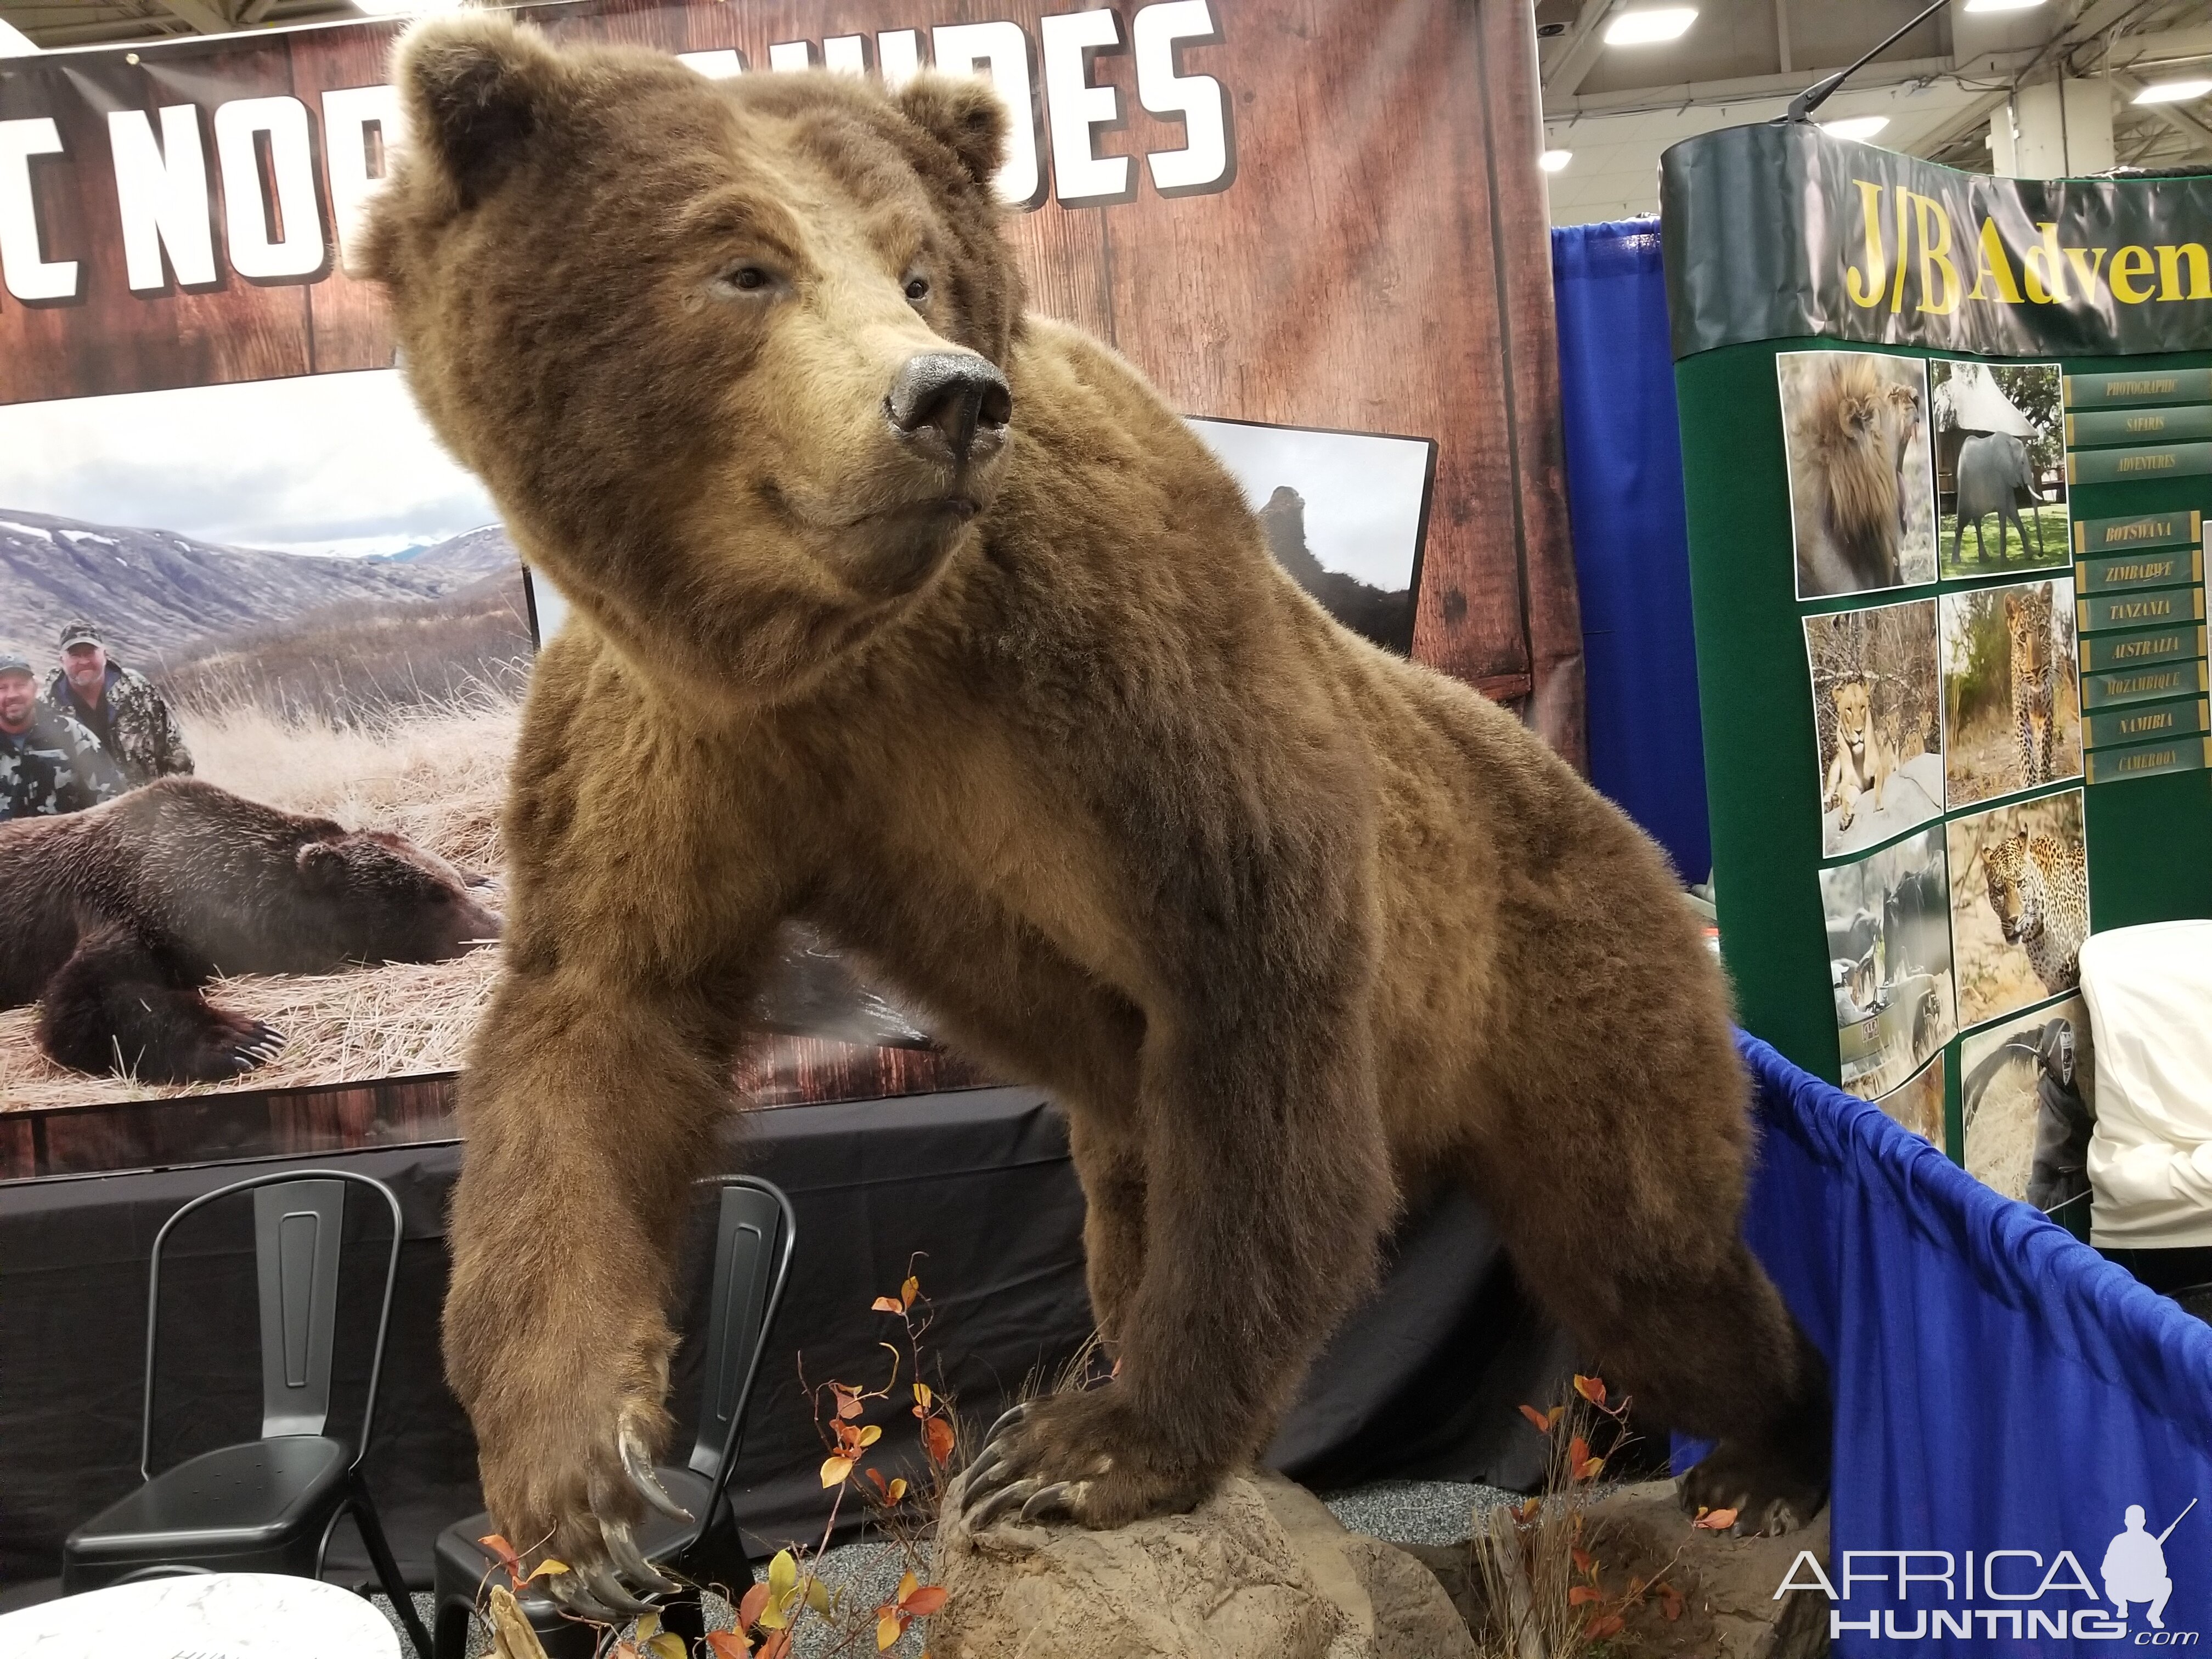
(1918, 1104)
(1995, 976)
(2008, 655)
(436, 774)
(2002, 1111)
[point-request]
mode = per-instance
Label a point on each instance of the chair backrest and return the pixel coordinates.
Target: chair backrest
(298, 1228)
(755, 1232)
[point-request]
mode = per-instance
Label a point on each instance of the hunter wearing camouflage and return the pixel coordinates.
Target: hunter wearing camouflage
(48, 763)
(131, 722)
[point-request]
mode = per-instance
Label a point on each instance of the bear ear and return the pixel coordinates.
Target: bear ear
(321, 864)
(965, 113)
(476, 85)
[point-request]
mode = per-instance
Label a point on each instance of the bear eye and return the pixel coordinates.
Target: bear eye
(746, 279)
(917, 289)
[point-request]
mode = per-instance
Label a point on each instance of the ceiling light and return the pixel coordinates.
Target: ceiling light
(1642, 29)
(394, 8)
(2002, 5)
(1555, 160)
(2173, 91)
(1858, 128)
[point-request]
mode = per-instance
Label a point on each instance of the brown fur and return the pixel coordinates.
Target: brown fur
(1864, 755)
(1852, 435)
(1290, 926)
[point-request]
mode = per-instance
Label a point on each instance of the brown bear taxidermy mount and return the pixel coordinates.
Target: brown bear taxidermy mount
(112, 920)
(923, 620)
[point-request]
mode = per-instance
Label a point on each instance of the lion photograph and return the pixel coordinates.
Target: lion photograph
(2019, 904)
(1861, 468)
(1918, 1104)
(2012, 698)
(1874, 712)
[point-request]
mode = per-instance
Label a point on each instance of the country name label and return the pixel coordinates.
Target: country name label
(2102, 651)
(2150, 760)
(2157, 569)
(2159, 722)
(2143, 684)
(2093, 537)
(2139, 425)
(2155, 385)
(2138, 610)
(2096, 466)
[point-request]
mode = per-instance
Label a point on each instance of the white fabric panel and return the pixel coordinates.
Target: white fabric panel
(2149, 991)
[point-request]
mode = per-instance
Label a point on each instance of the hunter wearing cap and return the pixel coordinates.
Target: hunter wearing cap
(48, 763)
(131, 722)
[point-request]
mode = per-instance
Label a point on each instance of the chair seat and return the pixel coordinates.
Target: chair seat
(238, 1498)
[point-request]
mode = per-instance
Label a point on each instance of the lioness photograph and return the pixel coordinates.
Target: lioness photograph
(1862, 477)
(2012, 713)
(1874, 709)
(1918, 1104)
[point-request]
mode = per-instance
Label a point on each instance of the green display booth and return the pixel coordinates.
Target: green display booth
(1946, 442)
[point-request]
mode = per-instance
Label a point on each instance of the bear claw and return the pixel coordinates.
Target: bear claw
(631, 1561)
(637, 1463)
(1014, 1496)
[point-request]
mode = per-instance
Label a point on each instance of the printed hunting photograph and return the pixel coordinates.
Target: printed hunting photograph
(2027, 1097)
(2012, 698)
(2000, 467)
(2020, 904)
(1875, 715)
(1889, 962)
(1860, 467)
(1918, 1104)
(1344, 514)
(329, 615)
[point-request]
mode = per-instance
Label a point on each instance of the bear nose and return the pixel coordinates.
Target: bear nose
(957, 393)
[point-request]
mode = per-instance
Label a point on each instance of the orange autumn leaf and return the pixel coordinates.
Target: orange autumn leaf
(777, 1645)
(1537, 1421)
(1670, 1603)
(1591, 1388)
(834, 1469)
(889, 1629)
(938, 1437)
(849, 1406)
(886, 1304)
(1590, 1468)
(924, 1602)
(505, 1551)
(1577, 1452)
(728, 1644)
(1580, 1594)
(754, 1604)
(1715, 1520)
(1605, 1624)
(1583, 1560)
(908, 1291)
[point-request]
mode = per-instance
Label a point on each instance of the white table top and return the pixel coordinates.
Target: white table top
(215, 1615)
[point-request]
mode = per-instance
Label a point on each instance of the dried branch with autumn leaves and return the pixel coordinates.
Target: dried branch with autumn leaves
(771, 1613)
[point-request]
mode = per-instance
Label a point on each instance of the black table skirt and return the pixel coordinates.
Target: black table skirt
(1421, 1383)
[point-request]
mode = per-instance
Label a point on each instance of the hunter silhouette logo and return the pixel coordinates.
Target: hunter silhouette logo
(2135, 1567)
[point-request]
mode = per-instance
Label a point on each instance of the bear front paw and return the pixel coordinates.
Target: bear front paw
(1086, 1458)
(568, 1479)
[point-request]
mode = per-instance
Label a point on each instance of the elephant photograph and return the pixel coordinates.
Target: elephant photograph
(2000, 467)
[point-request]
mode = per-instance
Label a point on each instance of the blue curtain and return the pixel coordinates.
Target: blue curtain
(1631, 544)
(1999, 1388)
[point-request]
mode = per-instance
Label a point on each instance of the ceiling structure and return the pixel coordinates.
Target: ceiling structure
(1616, 107)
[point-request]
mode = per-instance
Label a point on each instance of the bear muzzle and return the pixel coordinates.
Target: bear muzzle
(952, 406)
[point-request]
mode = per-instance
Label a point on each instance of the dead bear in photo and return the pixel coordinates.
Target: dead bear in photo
(112, 920)
(905, 613)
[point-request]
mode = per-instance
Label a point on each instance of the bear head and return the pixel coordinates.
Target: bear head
(367, 896)
(729, 353)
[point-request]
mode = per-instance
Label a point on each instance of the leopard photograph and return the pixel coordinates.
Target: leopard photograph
(2012, 714)
(2020, 904)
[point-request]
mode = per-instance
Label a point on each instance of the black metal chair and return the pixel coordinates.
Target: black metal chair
(754, 1234)
(266, 1505)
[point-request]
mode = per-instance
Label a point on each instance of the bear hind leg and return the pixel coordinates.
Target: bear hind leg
(113, 1006)
(1704, 1344)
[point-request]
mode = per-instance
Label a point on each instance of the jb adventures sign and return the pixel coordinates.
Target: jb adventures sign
(1778, 232)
